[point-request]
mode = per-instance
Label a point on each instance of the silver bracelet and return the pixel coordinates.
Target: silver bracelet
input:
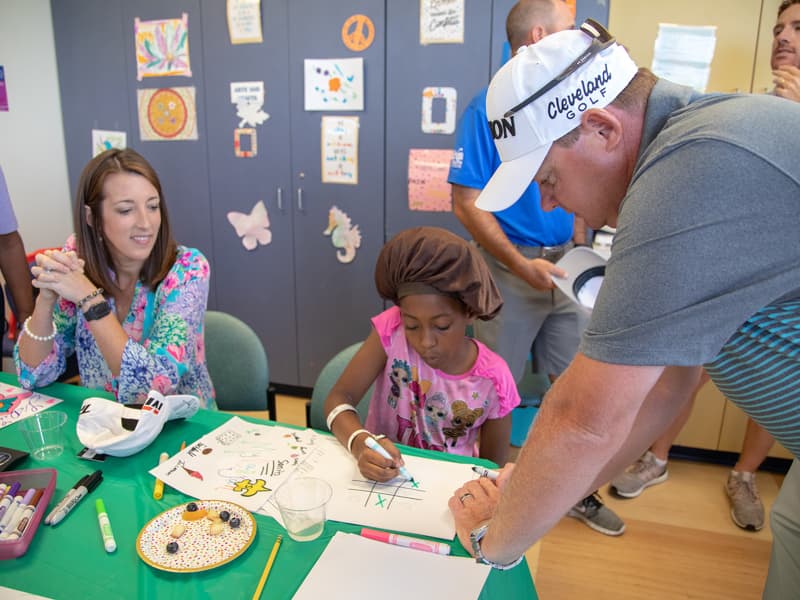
(353, 437)
(38, 338)
(336, 411)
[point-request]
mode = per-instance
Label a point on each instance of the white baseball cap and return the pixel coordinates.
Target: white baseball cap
(539, 96)
(585, 272)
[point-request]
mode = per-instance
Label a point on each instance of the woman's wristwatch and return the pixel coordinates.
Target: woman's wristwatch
(475, 537)
(97, 311)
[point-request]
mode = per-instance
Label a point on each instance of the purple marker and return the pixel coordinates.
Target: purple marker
(14, 513)
(9, 497)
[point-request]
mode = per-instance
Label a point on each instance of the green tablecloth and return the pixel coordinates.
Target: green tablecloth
(69, 561)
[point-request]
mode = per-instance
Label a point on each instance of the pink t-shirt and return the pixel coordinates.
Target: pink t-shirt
(417, 405)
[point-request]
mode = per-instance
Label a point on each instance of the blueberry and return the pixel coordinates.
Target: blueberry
(235, 522)
(224, 515)
(172, 547)
(191, 507)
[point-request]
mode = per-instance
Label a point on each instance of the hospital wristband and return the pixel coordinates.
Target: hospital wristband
(337, 410)
(353, 436)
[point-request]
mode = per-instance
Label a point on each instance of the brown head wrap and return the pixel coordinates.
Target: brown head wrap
(430, 260)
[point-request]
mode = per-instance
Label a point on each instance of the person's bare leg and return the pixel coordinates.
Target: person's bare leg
(755, 447)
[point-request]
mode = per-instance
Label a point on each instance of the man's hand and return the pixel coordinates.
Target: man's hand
(538, 273)
(473, 504)
(787, 82)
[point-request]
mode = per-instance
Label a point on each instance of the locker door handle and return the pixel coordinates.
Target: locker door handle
(280, 199)
(300, 200)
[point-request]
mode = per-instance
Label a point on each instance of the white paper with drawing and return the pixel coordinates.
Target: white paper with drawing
(239, 461)
(418, 508)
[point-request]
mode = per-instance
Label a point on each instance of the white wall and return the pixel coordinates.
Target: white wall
(32, 151)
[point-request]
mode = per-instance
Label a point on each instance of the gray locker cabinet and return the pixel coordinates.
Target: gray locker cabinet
(335, 301)
(257, 286)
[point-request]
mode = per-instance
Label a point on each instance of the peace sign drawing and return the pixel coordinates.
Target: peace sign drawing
(358, 32)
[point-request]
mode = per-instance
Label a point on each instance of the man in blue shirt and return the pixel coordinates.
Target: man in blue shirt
(521, 245)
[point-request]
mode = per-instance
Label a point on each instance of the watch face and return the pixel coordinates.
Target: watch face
(98, 311)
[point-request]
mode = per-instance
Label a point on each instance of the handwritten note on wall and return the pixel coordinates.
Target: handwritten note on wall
(441, 22)
(340, 150)
(427, 180)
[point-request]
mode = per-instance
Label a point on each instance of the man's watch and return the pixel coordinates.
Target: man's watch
(97, 311)
(475, 537)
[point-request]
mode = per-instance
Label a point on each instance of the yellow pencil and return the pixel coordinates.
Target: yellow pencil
(158, 490)
(183, 445)
(270, 560)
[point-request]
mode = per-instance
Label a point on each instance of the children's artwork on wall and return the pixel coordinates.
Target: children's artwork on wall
(17, 404)
(427, 180)
(248, 96)
(245, 143)
(252, 228)
(3, 90)
(358, 32)
(162, 47)
(441, 22)
(345, 236)
(103, 140)
(334, 84)
(167, 114)
(439, 110)
(340, 150)
(244, 21)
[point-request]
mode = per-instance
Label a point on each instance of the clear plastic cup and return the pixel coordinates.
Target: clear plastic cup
(302, 502)
(44, 433)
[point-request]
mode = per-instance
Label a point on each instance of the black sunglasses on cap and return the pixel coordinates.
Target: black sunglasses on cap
(601, 39)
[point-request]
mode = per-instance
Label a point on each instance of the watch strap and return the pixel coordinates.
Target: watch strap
(475, 537)
(97, 311)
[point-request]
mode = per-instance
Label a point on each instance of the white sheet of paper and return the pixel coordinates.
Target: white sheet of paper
(359, 567)
(396, 504)
(334, 83)
(17, 403)
(683, 54)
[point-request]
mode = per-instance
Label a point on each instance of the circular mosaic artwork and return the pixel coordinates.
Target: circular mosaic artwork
(197, 548)
(167, 113)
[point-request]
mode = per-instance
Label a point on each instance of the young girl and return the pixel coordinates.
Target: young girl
(435, 387)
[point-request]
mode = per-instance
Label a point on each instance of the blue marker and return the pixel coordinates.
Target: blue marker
(373, 445)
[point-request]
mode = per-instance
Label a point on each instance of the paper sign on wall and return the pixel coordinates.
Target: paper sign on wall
(244, 21)
(248, 96)
(105, 140)
(446, 98)
(441, 22)
(340, 150)
(427, 180)
(167, 114)
(334, 84)
(683, 54)
(162, 47)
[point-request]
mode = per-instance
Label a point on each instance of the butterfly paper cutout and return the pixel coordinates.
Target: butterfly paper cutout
(252, 228)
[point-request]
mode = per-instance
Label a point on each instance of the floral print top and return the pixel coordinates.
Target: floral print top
(165, 350)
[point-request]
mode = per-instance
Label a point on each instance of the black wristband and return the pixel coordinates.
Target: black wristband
(97, 311)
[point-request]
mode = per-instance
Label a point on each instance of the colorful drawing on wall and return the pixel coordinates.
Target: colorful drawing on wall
(167, 114)
(441, 22)
(162, 47)
(248, 96)
(103, 140)
(334, 84)
(445, 96)
(252, 228)
(248, 149)
(358, 32)
(427, 180)
(340, 150)
(3, 90)
(244, 21)
(345, 236)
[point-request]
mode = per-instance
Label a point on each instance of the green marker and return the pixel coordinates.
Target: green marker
(105, 526)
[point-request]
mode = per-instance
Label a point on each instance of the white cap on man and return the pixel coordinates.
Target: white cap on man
(524, 130)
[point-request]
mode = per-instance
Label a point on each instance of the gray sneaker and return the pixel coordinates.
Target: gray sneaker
(640, 475)
(597, 515)
(747, 511)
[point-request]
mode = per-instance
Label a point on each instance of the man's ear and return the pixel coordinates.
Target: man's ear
(603, 123)
(537, 33)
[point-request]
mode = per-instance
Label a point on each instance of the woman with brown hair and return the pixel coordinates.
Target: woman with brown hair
(121, 293)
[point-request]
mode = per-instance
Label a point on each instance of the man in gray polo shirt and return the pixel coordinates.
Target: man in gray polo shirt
(704, 192)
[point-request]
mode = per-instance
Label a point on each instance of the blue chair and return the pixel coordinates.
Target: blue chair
(532, 388)
(315, 416)
(237, 364)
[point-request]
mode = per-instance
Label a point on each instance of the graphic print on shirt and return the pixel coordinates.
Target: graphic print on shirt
(462, 419)
(400, 374)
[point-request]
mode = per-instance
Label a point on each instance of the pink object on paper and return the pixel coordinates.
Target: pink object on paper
(405, 541)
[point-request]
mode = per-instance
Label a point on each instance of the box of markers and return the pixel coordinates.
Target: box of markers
(20, 527)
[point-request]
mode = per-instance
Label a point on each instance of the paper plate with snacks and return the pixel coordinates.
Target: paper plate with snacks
(196, 536)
